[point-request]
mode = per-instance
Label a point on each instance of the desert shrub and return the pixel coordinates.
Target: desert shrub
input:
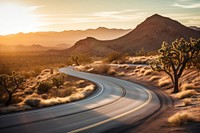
(179, 119)
(28, 91)
(33, 102)
(58, 81)
(44, 87)
(44, 96)
(112, 57)
(65, 92)
(102, 69)
(184, 94)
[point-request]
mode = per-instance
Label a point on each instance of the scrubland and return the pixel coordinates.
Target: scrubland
(186, 102)
(44, 85)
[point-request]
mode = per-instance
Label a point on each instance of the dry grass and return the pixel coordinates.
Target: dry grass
(164, 81)
(73, 97)
(141, 59)
(28, 97)
(187, 102)
(187, 86)
(179, 119)
(185, 94)
(154, 78)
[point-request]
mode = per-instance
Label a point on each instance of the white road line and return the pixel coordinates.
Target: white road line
(116, 117)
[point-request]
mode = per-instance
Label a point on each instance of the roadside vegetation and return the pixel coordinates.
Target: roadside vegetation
(30, 81)
(44, 90)
(175, 68)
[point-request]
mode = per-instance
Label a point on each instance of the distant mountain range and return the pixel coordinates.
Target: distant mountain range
(148, 35)
(22, 48)
(61, 40)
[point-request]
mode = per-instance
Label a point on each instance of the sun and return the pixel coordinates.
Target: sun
(16, 18)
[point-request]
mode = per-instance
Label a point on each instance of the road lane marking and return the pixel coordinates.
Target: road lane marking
(115, 117)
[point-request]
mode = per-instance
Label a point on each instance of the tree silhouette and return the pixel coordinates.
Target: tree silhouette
(174, 58)
(75, 59)
(10, 84)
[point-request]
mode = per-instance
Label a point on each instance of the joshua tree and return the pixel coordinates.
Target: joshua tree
(75, 59)
(10, 84)
(174, 58)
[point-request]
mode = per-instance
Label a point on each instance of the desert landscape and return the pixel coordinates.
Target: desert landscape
(100, 79)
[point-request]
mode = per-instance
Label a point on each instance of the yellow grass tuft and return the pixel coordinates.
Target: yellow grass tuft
(149, 72)
(187, 86)
(179, 119)
(186, 93)
(187, 102)
(154, 78)
(164, 82)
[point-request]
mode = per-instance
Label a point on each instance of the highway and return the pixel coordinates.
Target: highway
(115, 105)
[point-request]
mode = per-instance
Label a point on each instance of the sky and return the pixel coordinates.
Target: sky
(58, 15)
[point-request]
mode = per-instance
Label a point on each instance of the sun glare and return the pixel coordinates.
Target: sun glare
(16, 18)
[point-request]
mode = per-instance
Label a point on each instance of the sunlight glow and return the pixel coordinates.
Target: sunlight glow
(16, 18)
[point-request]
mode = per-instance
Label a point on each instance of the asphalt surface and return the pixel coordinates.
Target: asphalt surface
(115, 103)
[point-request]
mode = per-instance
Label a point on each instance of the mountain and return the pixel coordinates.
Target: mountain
(22, 48)
(148, 35)
(195, 28)
(52, 39)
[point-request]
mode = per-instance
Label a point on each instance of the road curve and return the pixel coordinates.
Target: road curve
(115, 103)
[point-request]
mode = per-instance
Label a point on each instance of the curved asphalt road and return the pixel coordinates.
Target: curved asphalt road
(116, 103)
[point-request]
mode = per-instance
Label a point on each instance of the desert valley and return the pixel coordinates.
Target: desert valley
(139, 79)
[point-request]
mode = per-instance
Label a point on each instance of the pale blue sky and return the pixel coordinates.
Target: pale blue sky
(58, 15)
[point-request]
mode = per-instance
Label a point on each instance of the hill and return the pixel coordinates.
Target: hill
(22, 48)
(148, 35)
(63, 39)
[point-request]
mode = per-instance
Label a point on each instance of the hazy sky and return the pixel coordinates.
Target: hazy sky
(58, 15)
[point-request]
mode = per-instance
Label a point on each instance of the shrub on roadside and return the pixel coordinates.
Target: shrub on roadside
(102, 69)
(179, 119)
(184, 94)
(44, 87)
(33, 102)
(58, 81)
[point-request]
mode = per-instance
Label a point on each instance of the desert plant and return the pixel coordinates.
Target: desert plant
(176, 57)
(44, 87)
(33, 102)
(75, 59)
(179, 119)
(58, 81)
(10, 83)
(102, 69)
(186, 93)
(112, 57)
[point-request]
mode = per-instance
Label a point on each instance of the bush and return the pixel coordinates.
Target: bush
(33, 102)
(181, 118)
(44, 87)
(58, 81)
(102, 69)
(184, 94)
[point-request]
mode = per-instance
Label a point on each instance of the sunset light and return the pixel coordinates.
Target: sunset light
(16, 18)
(95, 66)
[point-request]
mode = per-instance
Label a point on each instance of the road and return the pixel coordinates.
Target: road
(116, 103)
